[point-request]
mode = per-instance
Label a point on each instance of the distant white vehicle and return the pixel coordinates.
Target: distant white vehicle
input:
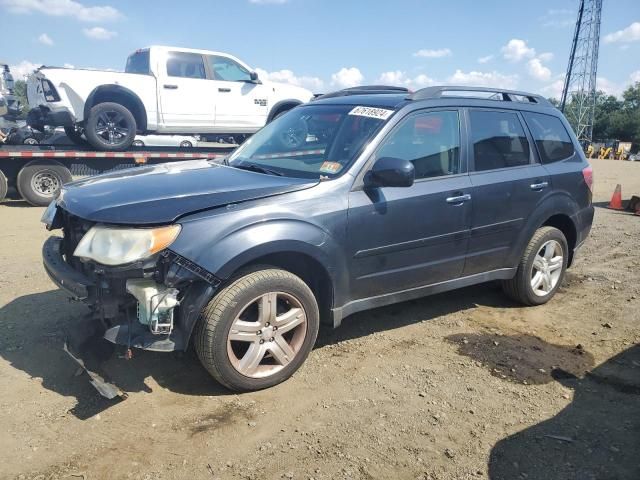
(183, 141)
(165, 90)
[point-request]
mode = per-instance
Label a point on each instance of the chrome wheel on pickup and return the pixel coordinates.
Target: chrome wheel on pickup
(258, 330)
(110, 126)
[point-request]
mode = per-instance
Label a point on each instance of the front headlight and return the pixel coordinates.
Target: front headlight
(117, 246)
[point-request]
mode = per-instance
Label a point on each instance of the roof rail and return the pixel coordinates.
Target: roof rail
(365, 90)
(499, 94)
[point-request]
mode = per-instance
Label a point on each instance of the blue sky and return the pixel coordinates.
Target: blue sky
(327, 44)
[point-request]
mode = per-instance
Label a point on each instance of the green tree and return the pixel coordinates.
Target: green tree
(20, 91)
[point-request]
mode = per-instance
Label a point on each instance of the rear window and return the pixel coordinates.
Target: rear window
(499, 140)
(138, 62)
(553, 141)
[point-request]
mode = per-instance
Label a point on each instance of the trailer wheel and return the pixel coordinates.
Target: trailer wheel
(110, 126)
(4, 186)
(39, 181)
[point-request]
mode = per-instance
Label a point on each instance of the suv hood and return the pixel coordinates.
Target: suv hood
(163, 193)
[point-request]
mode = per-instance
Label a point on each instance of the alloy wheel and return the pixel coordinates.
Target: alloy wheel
(112, 127)
(547, 268)
(267, 335)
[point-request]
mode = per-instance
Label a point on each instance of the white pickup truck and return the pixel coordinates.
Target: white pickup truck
(163, 90)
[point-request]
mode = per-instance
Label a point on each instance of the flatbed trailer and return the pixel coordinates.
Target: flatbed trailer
(36, 173)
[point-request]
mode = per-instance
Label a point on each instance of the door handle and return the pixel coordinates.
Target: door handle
(539, 186)
(224, 90)
(171, 87)
(458, 199)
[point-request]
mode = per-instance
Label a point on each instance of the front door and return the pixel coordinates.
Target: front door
(186, 95)
(241, 104)
(401, 238)
(507, 186)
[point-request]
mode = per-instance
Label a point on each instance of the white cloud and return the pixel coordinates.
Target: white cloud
(554, 89)
(23, 69)
(63, 8)
(484, 79)
(314, 84)
(516, 50)
(537, 70)
(558, 18)
(626, 35)
(347, 77)
(438, 53)
(68, 65)
(546, 56)
(99, 33)
(45, 39)
(400, 79)
(635, 76)
(486, 59)
(609, 87)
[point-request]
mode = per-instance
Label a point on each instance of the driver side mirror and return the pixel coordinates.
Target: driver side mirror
(390, 172)
(254, 77)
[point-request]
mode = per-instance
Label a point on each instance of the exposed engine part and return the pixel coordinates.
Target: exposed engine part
(155, 304)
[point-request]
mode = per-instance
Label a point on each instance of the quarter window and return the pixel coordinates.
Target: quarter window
(498, 139)
(227, 70)
(552, 139)
(431, 141)
(186, 65)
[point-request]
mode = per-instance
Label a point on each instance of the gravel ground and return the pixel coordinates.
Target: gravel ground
(462, 385)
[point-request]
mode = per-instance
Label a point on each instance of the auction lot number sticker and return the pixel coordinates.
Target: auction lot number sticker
(371, 112)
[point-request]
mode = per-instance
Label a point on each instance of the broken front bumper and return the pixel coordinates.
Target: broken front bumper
(107, 292)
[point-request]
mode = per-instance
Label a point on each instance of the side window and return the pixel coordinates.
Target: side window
(552, 139)
(186, 65)
(431, 141)
(226, 69)
(498, 140)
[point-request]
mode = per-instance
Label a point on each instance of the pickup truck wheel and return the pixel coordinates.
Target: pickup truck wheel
(541, 269)
(4, 186)
(110, 126)
(39, 182)
(257, 331)
(75, 135)
(186, 144)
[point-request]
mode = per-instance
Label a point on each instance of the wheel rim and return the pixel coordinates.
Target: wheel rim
(112, 127)
(547, 268)
(185, 144)
(45, 183)
(267, 335)
(30, 141)
(294, 136)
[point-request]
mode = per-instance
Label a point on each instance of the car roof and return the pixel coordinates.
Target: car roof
(388, 100)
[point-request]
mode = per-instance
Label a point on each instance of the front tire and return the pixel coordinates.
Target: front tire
(39, 182)
(110, 126)
(257, 331)
(541, 268)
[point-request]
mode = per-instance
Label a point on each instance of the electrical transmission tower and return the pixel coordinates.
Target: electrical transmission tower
(579, 92)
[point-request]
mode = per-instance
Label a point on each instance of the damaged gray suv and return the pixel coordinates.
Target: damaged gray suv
(361, 198)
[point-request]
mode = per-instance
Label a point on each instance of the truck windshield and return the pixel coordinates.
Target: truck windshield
(312, 141)
(138, 62)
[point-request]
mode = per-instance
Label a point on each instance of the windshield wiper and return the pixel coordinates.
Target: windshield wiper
(252, 167)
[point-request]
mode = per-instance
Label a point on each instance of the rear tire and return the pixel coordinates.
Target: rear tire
(4, 186)
(39, 181)
(537, 279)
(110, 127)
(276, 306)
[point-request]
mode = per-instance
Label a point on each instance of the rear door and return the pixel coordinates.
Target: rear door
(186, 95)
(401, 238)
(507, 185)
(241, 103)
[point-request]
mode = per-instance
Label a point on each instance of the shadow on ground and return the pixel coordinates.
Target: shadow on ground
(35, 326)
(597, 437)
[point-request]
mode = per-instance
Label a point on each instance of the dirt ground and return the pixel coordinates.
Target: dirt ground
(463, 385)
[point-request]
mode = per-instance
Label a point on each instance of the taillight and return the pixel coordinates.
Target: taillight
(50, 93)
(587, 173)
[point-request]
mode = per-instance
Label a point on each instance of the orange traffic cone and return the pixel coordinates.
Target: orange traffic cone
(616, 198)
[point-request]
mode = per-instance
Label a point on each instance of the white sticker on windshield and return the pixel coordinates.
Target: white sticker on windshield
(380, 113)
